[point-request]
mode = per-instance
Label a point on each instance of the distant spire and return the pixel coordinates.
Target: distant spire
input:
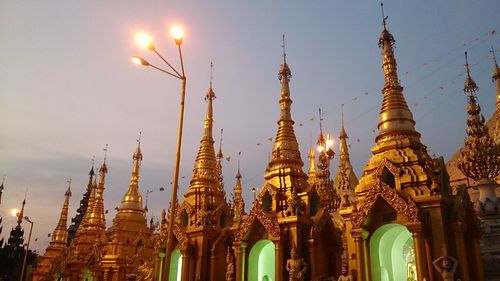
(312, 162)
(239, 203)
(1, 191)
(60, 233)
(132, 200)
(286, 153)
(395, 116)
(470, 86)
(82, 209)
(479, 155)
(220, 158)
(345, 177)
(496, 78)
(94, 217)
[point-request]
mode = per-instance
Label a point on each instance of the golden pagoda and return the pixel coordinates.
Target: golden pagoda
(58, 243)
(125, 249)
(345, 179)
(406, 216)
(288, 234)
(203, 218)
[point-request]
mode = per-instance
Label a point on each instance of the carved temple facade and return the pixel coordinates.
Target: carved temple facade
(392, 224)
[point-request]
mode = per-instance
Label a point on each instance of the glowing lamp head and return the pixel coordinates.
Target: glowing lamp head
(329, 141)
(140, 61)
(178, 33)
(321, 148)
(144, 41)
(14, 212)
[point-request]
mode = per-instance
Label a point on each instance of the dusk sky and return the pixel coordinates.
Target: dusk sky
(68, 87)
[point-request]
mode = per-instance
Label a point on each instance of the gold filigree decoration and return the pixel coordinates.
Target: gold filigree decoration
(270, 223)
(407, 208)
(386, 163)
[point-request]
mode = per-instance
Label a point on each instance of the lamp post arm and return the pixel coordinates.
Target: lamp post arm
(169, 65)
(164, 71)
(182, 61)
(173, 200)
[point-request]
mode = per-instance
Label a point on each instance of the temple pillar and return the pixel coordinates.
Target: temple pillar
(278, 250)
(360, 255)
(239, 252)
(420, 253)
(312, 258)
(428, 255)
(366, 251)
(159, 265)
(463, 264)
(186, 262)
(212, 264)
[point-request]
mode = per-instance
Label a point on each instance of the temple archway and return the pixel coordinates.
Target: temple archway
(391, 254)
(87, 275)
(175, 272)
(261, 261)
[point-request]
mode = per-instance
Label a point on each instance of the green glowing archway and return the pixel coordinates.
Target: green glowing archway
(87, 275)
(390, 246)
(261, 261)
(175, 271)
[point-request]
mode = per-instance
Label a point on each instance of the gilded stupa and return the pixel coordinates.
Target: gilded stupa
(403, 196)
(46, 265)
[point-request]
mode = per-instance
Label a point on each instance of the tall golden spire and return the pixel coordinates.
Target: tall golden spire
(286, 159)
(239, 203)
(205, 178)
(395, 116)
(479, 156)
(345, 177)
(60, 233)
(496, 77)
(132, 200)
(95, 213)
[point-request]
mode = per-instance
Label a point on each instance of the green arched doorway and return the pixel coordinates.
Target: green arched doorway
(87, 275)
(391, 254)
(261, 261)
(175, 272)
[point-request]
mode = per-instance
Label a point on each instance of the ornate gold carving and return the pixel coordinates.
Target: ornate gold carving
(269, 222)
(406, 208)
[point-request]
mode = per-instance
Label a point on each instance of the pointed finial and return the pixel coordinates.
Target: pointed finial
(105, 152)
(320, 121)
(384, 18)
(68, 191)
(342, 114)
(219, 154)
(210, 95)
(470, 86)
(211, 73)
(284, 49)
(139, 139)
(493, 53)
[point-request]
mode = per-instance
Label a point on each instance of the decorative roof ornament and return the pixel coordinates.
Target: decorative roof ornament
(479, 157)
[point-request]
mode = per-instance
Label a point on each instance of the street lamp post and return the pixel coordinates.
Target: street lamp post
(146, 42)
(27, 248)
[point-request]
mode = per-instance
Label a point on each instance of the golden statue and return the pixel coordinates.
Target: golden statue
(296, 266)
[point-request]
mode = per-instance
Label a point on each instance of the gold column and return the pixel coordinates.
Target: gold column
(463, 264)
(239, 252)
(366, 250)
(420, 253)
(186, 260)
(212, 264)
(312, 258)
(428, 255)
(159, 271)
(278, 252)
(360, 255)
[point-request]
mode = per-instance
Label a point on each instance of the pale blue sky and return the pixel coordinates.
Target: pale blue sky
(67, 86)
